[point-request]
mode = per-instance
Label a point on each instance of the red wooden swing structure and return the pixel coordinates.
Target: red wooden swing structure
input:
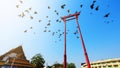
(67, 18)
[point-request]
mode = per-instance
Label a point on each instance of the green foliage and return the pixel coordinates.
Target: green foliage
(38, 61)
(71, 65)
(58, 65)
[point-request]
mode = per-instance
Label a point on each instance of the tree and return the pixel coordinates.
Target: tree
(58, 65)
(71, 65)
(38, 61)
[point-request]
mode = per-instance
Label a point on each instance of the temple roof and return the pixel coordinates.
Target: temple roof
(15, 57)
(17, 51)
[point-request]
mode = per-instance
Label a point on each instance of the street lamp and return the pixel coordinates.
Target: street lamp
(67, 18)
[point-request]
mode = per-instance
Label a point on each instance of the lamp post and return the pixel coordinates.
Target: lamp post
(67, 18)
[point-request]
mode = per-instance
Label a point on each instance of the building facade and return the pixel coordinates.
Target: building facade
(14, 58)
(109, 63)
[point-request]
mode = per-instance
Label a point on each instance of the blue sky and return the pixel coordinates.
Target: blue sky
(102, 39)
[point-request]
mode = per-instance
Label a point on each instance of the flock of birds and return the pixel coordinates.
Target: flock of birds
(58, 32)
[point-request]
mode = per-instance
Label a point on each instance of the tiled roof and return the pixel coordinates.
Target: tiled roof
(2, 63)
(18, 51)
(19, 60)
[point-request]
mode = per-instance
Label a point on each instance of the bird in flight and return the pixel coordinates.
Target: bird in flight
(46, 16)
(60, 21)
(107, 15)
(92, 6)
(55, 10)
(31, 27)
(60, 35)
(49, 30)
(21, 1)
(22, 15)
(49, 20)
(62, 6)
(25, 31)
(45, 27)
(48, 7)
(35, 12)
(53, 33)
(48, 24)
(17, 6)
(40, 20)
(59, 30)
(94, 1)
(57, 13)
(31, 17)
(77, 37)
(57, 20)
(30, 8)
(81, 6)
(97, 8)
(45, 31)
(68, 11)
(27, 11)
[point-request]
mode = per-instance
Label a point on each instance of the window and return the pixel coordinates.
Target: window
(103, 63)
(95, 66)
(115, 66)
(113, 61)
(109, 66)
(119, 61)
(104, 66)
(99, 67)
(108, 62)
